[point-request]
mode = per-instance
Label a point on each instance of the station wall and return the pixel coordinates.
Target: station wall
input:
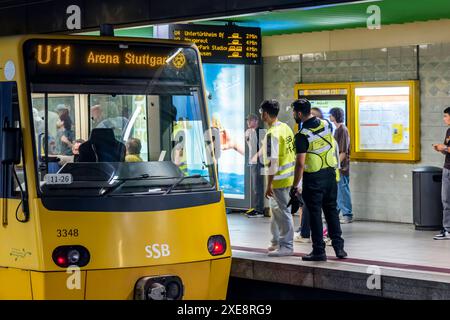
(381, 191)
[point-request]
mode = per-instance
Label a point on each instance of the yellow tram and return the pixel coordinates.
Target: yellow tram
(108, 180)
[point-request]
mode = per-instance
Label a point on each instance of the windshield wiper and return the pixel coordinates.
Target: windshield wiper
(145, 177)
(181, 180)
(104, 191)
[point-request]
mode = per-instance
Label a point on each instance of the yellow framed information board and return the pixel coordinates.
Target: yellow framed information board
(383, 118)
(326, 96)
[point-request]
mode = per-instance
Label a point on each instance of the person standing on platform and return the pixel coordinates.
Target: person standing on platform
(252, 139)
(445, 149)
(317, 112)
(257, 181)
(343, 139)
(315, 165)
(303, 235)
(278, 159)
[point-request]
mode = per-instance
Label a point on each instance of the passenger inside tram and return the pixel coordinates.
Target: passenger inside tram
(75, 153)
(133, 150)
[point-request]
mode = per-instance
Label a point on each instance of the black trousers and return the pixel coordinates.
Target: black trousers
(320, 192)
(257, 187)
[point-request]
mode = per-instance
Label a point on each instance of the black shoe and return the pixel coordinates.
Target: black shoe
(315, 257)
(254, 214)
(340, 253)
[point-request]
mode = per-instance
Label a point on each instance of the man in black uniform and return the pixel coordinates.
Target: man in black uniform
(316, 164)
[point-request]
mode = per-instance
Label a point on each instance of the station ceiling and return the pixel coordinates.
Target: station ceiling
(350, 15)
(274, 17)
(328, 17)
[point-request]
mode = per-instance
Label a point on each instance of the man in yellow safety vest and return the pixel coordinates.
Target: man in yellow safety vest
(278, 159)
(316, 164)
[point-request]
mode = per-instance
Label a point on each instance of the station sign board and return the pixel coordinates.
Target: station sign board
(221, 44)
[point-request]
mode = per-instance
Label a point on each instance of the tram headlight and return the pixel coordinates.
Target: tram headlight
(159, 288)
(217, 245)
(73, 256)
(65, 256)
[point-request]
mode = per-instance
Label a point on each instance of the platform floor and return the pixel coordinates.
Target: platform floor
(405, 257)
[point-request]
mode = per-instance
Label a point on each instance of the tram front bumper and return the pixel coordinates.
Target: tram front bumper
(199, 281)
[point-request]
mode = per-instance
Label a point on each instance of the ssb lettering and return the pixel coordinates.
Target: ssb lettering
(157, 251)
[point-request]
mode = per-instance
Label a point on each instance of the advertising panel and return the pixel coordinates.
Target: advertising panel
(225, 85)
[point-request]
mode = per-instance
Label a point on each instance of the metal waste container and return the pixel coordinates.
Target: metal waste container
(427, 203)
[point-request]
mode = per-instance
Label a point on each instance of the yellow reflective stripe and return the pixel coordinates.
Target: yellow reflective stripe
(326, 148)
(286, 166)
(313, 137)
(283, 176)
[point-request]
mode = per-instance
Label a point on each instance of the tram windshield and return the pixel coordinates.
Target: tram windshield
(118, 118)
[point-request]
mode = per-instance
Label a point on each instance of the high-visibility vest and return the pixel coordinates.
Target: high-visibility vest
(338, 161)
(179, 137)
(321, 151)
(282, 134)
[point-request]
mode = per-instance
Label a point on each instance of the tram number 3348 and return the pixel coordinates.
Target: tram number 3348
(64, 233)
(157, 251)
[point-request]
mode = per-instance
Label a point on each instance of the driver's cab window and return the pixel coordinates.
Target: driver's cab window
(127, 116)
(69, 129)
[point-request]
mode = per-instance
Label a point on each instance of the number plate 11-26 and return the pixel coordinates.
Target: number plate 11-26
(58, 178)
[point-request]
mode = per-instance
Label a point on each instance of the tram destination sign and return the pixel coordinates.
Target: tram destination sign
(67, 59)
(221, 44)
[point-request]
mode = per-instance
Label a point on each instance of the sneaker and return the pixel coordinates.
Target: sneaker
(299, 238)
(346, 219)
(444, 235)
(281, 252)
(272, 248)
(252, 213)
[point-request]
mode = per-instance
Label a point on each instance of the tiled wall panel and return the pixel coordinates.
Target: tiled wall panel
(381, 191)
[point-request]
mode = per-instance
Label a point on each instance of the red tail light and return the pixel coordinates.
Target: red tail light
(65, 256)
(217, 245)
(61, 261)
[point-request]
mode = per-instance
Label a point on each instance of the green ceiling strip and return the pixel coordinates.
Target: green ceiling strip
(345, 16)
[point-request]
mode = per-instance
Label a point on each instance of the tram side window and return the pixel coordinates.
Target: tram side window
(60, 121)
(10, 115)
(182, 132)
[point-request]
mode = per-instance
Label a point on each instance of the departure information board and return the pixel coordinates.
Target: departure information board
(221, 44)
